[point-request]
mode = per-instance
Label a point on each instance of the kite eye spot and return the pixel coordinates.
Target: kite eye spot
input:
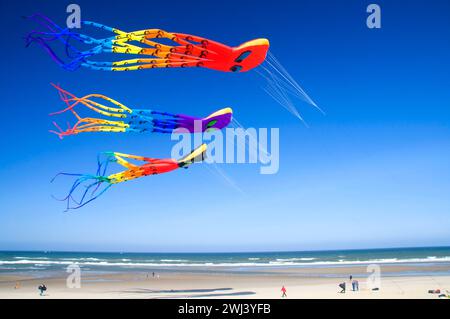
(236, 68)
(211, 124)
(243, 56)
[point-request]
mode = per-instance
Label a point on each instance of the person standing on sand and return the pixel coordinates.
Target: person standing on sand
(355, 285)
(283, 290)
(42, 289)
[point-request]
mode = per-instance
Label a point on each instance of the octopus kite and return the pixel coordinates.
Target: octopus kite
(96, 185)
(123, 119)
(149, 47)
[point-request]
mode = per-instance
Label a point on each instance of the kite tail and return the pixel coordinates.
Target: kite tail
(86, 188)
(56, 33)
(44, 21)
(72, 65)
(93, 124)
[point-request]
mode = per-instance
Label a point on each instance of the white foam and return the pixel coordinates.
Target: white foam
(87, 258)
(184, 263)
(295, 259)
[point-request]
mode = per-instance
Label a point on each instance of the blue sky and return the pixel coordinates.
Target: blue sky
(373, 172)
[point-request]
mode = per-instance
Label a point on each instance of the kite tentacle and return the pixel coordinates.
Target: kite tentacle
(94, 183)
(64, 35)
(89, 124)
(185, 51)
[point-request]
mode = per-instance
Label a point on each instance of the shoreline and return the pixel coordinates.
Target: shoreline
(389, 267)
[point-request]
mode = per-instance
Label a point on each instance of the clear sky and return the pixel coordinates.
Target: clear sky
(373, 172)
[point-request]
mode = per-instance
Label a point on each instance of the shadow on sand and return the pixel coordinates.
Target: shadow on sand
(238, 293)
(191, 293)
(170, 291)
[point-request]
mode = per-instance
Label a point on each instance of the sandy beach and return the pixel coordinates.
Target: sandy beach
(301, 283)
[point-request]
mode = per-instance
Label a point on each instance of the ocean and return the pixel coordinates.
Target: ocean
(41, 263)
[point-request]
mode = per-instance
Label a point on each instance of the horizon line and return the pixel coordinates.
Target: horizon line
(223, 252)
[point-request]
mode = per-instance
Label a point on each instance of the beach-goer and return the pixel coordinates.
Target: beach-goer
(153, 274)
(283, 290)
(355, 285)
(17, 286)
(42, 288)
(351, 277)
(342, 286)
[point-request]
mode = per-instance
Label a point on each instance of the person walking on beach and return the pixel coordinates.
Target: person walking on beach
(283, 290)
(342, 286)
(42, 288)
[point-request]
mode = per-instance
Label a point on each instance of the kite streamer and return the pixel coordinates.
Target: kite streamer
(123, 119)
(149, 49)
(93, 186)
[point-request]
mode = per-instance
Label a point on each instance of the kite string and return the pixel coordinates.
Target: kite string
(281, 86)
